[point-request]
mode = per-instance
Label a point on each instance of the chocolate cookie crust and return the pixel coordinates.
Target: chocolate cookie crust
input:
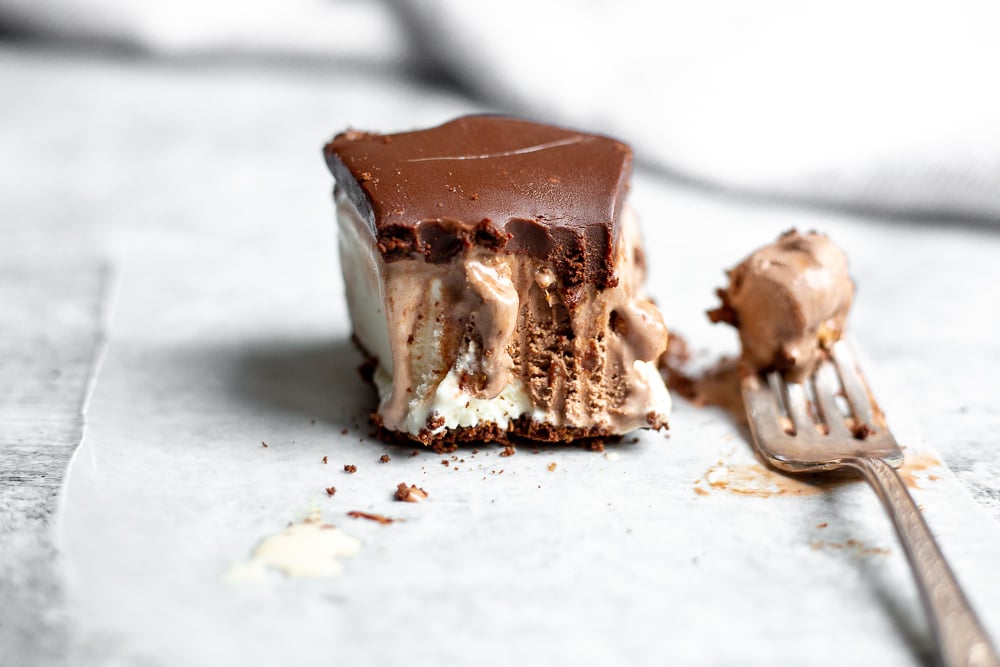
(504, 184)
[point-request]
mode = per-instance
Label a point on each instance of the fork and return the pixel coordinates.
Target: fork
(837, 438)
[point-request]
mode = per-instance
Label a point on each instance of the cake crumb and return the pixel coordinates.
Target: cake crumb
(384, 458)
(263, 444)
(330, 490)
(552, 466)
(350, 468)
(508, 451)
(415, 452)
(822, 525)
(344, 431)
(410, 494)
(355, 514)
(444, 462)
(324, 460)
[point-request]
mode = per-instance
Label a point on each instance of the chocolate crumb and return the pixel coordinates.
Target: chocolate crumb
(444, 462)
(435, 420)
(331, 490)
(371, 517)
(410, 494)
(821, 525)
(343, 431)
(508, 451)
(350, 468)
(263, 444)
(324, 460)
(384, 458)
(415, 452)
(862, 431)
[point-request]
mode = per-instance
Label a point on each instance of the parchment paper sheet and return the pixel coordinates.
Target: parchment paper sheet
(224, 337)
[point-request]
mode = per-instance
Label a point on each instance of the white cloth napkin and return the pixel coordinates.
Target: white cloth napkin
(882, 105)
(887, 105)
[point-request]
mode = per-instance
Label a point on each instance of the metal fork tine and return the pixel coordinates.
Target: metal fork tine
(762, 410)
(797, 403)
(854, 386)
(825, 388)
(962, 640)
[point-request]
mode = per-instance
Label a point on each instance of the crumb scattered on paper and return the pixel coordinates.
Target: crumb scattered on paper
(350, 468)
(410, 493)
(378, 518)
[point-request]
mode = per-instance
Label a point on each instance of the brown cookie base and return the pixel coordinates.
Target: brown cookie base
(522, 431)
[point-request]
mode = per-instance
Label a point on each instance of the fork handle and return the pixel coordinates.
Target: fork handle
(961, 638)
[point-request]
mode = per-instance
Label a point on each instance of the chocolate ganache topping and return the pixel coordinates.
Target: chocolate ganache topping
(504, 184)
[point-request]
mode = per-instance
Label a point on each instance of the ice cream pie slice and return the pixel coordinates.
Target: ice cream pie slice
(494, 279)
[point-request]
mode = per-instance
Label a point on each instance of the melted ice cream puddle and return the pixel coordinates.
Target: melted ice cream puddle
(306, 549)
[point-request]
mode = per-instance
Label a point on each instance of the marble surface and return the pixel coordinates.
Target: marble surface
(142, 169)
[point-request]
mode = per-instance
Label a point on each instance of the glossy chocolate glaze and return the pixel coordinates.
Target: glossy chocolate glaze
(503, 184)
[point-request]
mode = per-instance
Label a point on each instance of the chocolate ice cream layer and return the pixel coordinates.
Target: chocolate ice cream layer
(790, 301)
(499, 337)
